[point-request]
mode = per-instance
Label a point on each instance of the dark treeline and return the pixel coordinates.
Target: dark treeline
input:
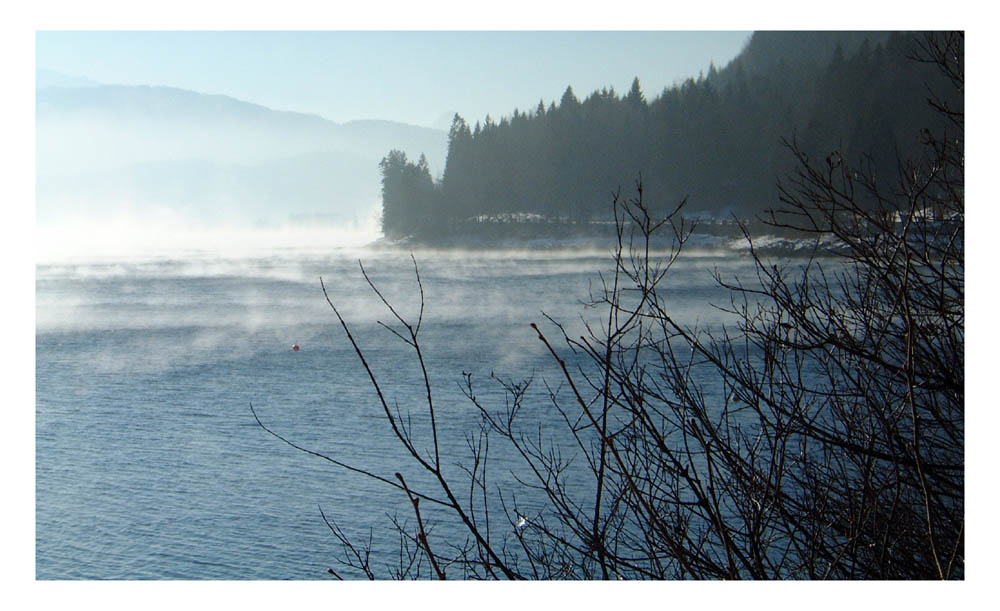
(718, 140)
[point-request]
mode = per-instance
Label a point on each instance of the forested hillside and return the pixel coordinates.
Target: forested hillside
(717, 139)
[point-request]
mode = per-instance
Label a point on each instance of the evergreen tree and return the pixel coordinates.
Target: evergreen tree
(717, 140)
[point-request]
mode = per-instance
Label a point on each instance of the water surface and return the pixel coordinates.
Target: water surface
(149, 464)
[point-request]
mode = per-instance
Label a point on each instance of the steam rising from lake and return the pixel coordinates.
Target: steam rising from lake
(178, 294)
(150, 345)
(127, 235)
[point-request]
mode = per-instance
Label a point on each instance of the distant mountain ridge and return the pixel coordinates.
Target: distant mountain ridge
(101, 145)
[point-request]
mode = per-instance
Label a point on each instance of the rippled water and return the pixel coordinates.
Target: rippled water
(149, 464)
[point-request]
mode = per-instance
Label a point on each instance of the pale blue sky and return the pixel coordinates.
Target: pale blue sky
(408, 76)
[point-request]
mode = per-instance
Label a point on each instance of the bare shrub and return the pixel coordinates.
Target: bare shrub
(821, 437)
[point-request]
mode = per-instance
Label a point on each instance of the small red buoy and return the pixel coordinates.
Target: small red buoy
(295, 347)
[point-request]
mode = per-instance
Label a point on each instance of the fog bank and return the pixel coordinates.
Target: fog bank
(126, 234)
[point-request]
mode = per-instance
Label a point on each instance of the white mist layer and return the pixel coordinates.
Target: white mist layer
(167, 233)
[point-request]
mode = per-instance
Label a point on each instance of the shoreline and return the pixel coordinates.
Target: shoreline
(765, 245)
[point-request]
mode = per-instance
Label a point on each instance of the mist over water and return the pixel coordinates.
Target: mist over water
(124, 234)
(148, 462)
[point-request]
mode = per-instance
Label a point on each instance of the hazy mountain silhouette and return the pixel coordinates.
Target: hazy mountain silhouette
(104, 146)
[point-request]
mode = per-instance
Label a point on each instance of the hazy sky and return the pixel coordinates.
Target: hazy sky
(410, 76)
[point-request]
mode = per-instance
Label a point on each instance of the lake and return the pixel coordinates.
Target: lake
(149, 464)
